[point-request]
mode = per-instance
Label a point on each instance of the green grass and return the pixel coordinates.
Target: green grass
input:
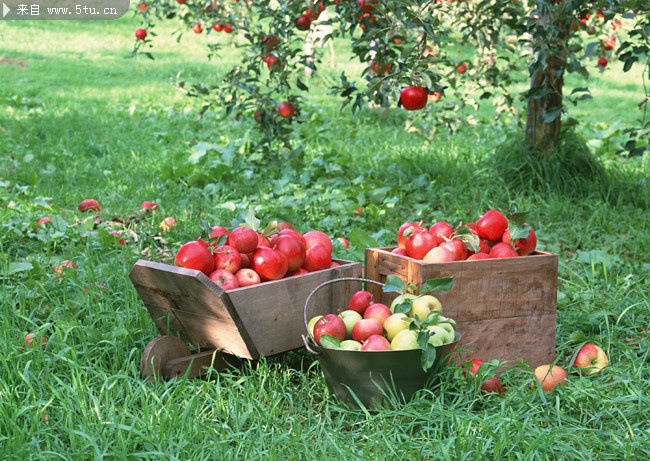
(81, 121)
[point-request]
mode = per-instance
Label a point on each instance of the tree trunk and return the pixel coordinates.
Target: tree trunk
(542, 133)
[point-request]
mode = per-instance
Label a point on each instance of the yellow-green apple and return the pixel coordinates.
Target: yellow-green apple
(317, 257)
(227, 257)
(589, 359)
(315, 236)
(62, 267)
(439, 336)
(270, 264)
(195, 255)
(375, 343)
(423, 306)
(418, 244)
(247, 277)
(360, 301)
(491, 225)
(351, 345)
(244, 239)
(549, 377)
(88, 205)
(167, 223)
(439, 255)
(329, 324)
(225, 279)
(312, 322)
(350, 317)
(402, 299)
(405, 339)
(394, 324)
(503, 250)
(377, 311)
(293, 249)
(365, 328)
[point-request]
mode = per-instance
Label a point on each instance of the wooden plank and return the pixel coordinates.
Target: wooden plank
(197, 364)
(273, 311)
(510, 339)
(189, 296)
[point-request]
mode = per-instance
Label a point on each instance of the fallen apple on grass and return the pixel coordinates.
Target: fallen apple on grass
(89, 205)
(589, 359)
(60, 269)
(32, 341)
(549, 377)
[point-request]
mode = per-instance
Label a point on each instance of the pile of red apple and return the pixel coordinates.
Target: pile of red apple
(370, 326)
(249, 257)
(490, 237)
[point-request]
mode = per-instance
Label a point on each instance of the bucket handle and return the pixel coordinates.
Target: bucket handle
(311, 347)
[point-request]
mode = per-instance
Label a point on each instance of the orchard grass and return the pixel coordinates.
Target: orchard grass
(80, 121)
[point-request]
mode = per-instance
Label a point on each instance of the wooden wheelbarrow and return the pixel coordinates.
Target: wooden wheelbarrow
(203, 326)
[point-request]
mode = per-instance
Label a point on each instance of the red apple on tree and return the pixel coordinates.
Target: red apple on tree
(330, 324)
(286, 110)
(247, 277)
(413, 97)
(140, 33)
(303, 22)
(602, 62)
(197, 28)
(225, 279)
(461, 69)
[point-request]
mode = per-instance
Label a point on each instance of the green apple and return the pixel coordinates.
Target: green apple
(402, 299)
(423, 306)
(439, 335)
(351, 345)
(394, 324)
(312, 322)
(405, 339)
(448, 327)
(349, 317)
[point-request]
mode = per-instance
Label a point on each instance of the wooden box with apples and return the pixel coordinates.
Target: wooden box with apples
(506, 307)
(224, 325)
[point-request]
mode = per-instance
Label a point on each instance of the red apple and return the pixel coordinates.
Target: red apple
(293, 233)
(461, 69)
(197, 28)
(418, 244)
(491, 225)
(399, 251)
(602, 62)
(524, 246)
(589, 359)
(225, 279)
(377, 311)
(492, 385)
(140, 33)
(367, 5)
(476, 364)
(457, 247)
(478, 256)
(360, 301)
(117, 234)
(244, 239)
(549, 377)
(439, 255)
(262, 241)
(218, 231)
(375, 343)
(195, 255)
(482, 245)
(227, 257)
(333, 264)
(167, 223)
(345, 242)
(293, 249)
(286, 110)
(365, 328)
(269, 263)
(60, 269)
(43, 221)
(88, 205)
(441, 230)
(435, 96)
(149, 205)
(284, 225)
(401, 240)
(227, 28)
(314, 236)
(300, 271)
(247, 277)
(31, 341)
(317, 258)
(332, 325)
(245, 261)
(217, 27)
(503, 250)
(303, 22)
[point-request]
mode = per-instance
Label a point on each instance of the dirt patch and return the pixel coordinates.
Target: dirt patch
(13, 62)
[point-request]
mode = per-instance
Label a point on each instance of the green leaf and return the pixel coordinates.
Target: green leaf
(471, 241)
(439, 284)
(330, 342)
(516, 218)
(428, 357)
(251, 221)
(551, 114)
(577, 337)
(361, 239)
(393, 283)
(403, 308)
(519, 232)
(16, 267)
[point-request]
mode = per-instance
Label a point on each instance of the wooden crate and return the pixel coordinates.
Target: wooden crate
(248, 322)
(505, 308)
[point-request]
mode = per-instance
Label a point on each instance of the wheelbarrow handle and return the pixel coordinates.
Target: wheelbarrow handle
(313, 345)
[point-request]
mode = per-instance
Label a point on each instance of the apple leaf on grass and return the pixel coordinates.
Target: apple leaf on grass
(330, 342)
(16, 267)
(439, 284)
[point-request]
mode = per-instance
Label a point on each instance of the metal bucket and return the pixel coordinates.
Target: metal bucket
(373, 378)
